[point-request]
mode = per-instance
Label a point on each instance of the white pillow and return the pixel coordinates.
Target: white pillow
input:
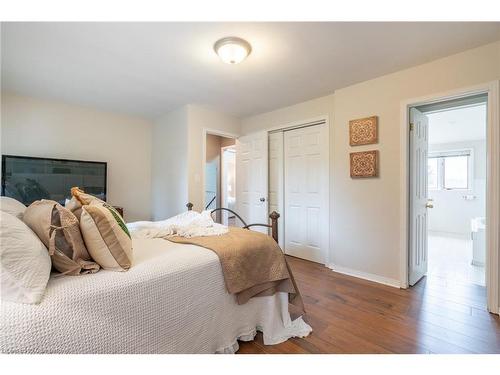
(25, 262)
(12, 206)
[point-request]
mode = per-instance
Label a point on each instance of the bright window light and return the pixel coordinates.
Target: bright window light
(450, 170)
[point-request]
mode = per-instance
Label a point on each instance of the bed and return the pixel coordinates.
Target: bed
(173, 300)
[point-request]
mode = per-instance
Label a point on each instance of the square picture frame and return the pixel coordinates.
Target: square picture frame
(364, 164)
(363, 131)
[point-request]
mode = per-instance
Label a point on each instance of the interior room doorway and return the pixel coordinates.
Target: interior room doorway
(448, 254)
(220, 175)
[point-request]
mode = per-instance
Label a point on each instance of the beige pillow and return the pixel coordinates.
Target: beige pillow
(78, 199)
(106, 236)
(59, 230)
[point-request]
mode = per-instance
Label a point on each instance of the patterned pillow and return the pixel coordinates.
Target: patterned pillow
(106, 236)
(59, 230)
(78, 199)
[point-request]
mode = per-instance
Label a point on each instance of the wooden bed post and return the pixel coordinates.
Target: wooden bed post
(274, 216)
(189, 206)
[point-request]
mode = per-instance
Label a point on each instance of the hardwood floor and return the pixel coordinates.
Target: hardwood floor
(350, 315)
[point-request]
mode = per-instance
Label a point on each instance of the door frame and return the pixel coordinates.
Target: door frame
(204, 133)
(492, 89)
(303, 123)
(223, 191)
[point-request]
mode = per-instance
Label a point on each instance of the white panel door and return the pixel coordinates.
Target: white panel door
(251, 178)
(419, 133)
(306, 192)
(276, 181)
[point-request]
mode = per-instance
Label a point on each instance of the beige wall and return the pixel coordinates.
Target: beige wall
(178, 159)
(365, 214)
(45, 128)
(169, 159)
(200, 118)
(299, 112)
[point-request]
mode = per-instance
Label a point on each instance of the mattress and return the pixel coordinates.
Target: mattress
(172, 300)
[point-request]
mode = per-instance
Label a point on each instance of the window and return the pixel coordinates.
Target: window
(449, 170)
(456, 172)
(432, 172)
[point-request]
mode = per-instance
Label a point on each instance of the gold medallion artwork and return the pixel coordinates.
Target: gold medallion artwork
(364, 164)
(363, 131)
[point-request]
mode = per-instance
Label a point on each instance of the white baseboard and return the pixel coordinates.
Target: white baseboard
(364, 275)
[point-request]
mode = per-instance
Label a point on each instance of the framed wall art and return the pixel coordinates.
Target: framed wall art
(364, 164)
(363, 131)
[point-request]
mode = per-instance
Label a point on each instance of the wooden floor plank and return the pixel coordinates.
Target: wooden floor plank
(351, 315)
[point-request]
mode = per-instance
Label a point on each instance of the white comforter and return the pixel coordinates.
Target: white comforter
(173, 300)
(187, 224)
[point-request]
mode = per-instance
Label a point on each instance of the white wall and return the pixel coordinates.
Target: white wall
(365, 213)
(170, 164)
(45, 128)
(451, 213)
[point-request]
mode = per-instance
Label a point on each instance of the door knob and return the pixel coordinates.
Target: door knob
(262, 199)
(429, 205)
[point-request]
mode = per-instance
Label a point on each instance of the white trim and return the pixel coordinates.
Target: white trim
(204, 132)
(329, 182)
(493, 197)
(293, 124)
(493, 182)
(365, 276)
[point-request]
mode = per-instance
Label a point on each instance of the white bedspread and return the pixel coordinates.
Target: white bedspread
(188, 224)
(173, 300)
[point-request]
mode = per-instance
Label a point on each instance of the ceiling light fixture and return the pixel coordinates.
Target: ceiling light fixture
(232, 50)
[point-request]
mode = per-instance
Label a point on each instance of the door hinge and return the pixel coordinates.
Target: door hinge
(412, 126)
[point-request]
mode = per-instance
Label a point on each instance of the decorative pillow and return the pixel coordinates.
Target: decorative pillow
(59, 230)
(80, 198)
(25, 263)
(107, 237)
(12, 206)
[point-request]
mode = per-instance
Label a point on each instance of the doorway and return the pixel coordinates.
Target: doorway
(220, 174)
(450, 187)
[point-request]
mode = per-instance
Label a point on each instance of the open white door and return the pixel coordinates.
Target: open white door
(419, 203)
(251, 178)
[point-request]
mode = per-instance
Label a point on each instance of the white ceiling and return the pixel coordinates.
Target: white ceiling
(149, 69)
(458, 125)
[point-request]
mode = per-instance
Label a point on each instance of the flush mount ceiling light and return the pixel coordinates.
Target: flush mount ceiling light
(232, 50)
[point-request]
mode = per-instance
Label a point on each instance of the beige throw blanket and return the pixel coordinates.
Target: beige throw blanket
(253, 265)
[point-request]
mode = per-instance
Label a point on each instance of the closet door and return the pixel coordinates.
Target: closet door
(276, 181)
(251, 178)
(306, 192)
